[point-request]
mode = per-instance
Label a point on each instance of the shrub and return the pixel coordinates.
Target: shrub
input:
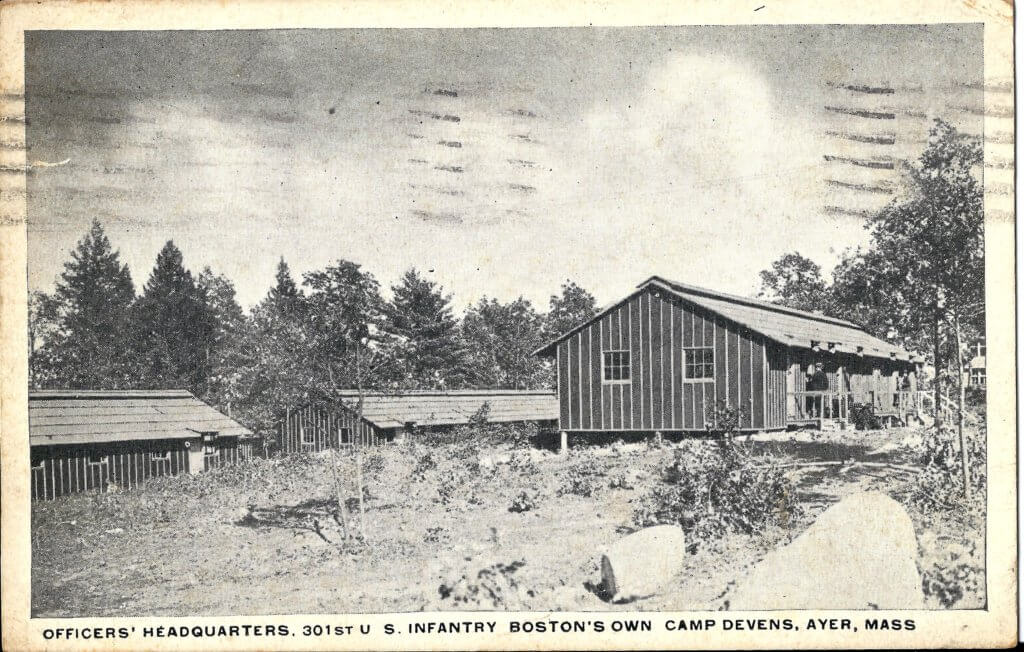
(714, 487)
(424, 463)
(525, 502)
(950, 583)
(493, 587)
(862, 416)
(582, 479)
(723, 420)
(939, 486)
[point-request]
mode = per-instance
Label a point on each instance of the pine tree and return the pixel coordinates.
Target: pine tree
(175, 327)
(84, 345)
(430, 349)
(285, 297)
(273, 363)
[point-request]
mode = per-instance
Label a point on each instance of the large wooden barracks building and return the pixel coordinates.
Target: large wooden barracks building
(664, 358)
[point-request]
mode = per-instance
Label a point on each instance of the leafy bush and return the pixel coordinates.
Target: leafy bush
(493, 587)
(939, 486)
(525, 502)
(723, 420)
(582, 479)
(862, 416)
(950, 583)
(714, 487)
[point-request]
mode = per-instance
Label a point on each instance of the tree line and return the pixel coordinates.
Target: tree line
(920, 281)
(305, 340)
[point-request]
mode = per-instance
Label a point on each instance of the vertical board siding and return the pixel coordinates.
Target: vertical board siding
(585, 366)
(563, 386)
(625, 392)
(64, 470)
(750, 371)
(656, 345)
(757, 381)
(312, 429)
(636, 386)
(596, 395)
(574, 381)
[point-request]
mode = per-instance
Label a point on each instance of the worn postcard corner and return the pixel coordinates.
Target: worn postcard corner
(507, 326)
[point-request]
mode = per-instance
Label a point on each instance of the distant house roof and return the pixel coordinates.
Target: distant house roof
(57, 417)
(453, 407)
(784, 325)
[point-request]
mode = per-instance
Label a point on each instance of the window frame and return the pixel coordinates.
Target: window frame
(687, 352)
(627, 366)
(94, 460)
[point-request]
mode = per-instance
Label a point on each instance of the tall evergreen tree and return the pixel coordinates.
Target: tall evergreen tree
(83, 346)
(175, 327)
(274, 371)
(285, 296)
(430, 350)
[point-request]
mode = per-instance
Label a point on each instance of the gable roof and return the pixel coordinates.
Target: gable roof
(453, 407)
(781, 324)
(58, 417)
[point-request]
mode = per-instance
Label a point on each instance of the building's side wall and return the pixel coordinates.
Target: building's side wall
(776, 364)
(63, 470)
(656, 330)
(227, 451)
(312, 429)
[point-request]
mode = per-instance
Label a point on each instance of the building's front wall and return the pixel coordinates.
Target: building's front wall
(659, 331)
(311, 429)
(63, 470)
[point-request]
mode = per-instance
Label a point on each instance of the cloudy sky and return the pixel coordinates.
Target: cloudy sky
(500, 162)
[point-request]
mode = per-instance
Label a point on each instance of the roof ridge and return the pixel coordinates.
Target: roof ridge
(755, 303)
(109, 393)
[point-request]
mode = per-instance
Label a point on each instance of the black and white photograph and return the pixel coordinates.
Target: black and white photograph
(568, 319)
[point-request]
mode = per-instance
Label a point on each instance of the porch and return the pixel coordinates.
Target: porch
(827, 409)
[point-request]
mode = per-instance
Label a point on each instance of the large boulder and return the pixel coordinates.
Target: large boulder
(638, 565)
(860, 554)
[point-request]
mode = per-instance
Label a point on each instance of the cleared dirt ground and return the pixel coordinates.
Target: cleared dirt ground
(259, 539)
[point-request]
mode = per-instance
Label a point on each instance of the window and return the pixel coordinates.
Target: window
(161, 461)
(306, 435)
(616, 366)
(97, 460)
(979, 348)
(344, 435)
(699, 364)
(978, 377)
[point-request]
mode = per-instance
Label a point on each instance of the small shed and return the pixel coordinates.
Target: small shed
(83, 440)
(666, 357)
(387, 415)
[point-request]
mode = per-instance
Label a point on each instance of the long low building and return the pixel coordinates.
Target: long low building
(388, 414)
(84, 440)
